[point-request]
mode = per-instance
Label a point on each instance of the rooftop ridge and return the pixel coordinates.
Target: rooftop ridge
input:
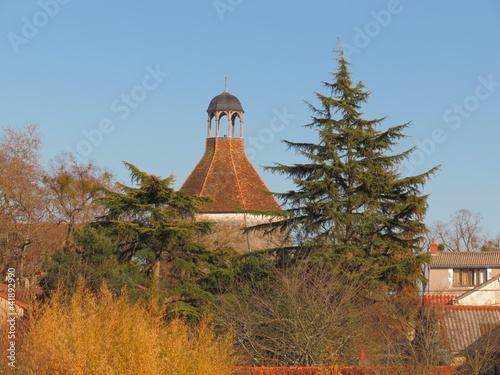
(242, 197)
(208, 172)
(470, 307)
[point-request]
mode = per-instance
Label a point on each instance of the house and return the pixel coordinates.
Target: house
(460, 272)
(486, 294)
(464, 292)
(14, 301)
(470, 323)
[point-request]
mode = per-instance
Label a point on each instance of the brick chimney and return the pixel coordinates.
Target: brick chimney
(434, 247)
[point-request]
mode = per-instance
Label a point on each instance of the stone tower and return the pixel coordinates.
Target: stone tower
(225, 174)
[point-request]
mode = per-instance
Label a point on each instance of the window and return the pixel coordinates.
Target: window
(468, 276)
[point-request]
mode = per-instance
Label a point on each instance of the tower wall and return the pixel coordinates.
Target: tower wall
(228, 232)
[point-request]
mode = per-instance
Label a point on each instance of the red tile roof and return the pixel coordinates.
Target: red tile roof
(22, 296)
(225, 174)
(439, 298)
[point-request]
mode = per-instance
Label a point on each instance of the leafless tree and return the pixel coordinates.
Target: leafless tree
(483, 355)
(23, 198)
(307, 315)
(462, 233)
(423, 347)
(74, 188)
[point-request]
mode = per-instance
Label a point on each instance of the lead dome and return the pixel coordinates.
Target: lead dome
(225, 102)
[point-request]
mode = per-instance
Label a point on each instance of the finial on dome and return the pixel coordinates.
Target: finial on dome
(225, 102)
(225, 84)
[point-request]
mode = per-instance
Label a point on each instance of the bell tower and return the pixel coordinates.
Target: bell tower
(225, 105)
(225, 174)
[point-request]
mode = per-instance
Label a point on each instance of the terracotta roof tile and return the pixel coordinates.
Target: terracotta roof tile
(439, 298)
(225, 174)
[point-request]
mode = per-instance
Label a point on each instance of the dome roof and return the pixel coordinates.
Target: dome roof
(225, 102)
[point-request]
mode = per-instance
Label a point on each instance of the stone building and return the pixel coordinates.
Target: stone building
(227, 175)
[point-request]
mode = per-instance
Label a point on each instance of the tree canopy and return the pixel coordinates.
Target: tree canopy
(152, 219)
(351, 204)
(154, 224)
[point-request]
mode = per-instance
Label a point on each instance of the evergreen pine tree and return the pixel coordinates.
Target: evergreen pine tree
(152, 219)
(154, 224)
(93, 259)
(351, 204)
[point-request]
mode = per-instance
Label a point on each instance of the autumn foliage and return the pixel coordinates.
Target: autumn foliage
(98, 333)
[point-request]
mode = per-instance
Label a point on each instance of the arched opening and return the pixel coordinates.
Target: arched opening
(221, 129)
(236, 126)
(225, 124)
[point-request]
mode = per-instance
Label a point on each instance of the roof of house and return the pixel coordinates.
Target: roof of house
(488, 344)
(471, 259)
(22, 296)
(464, 325)
(439, 298)
(225, 174)
(45, 236)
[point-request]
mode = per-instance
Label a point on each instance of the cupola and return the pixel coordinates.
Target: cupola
(225, 105)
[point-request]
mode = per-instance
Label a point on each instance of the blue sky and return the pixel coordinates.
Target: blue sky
(129, 80)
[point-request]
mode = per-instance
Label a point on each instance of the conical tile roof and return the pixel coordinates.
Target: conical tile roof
(225, 174)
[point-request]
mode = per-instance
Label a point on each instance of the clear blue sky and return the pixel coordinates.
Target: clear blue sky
(137, 77)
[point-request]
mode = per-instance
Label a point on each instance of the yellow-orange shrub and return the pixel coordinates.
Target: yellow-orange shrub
(102, 334)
